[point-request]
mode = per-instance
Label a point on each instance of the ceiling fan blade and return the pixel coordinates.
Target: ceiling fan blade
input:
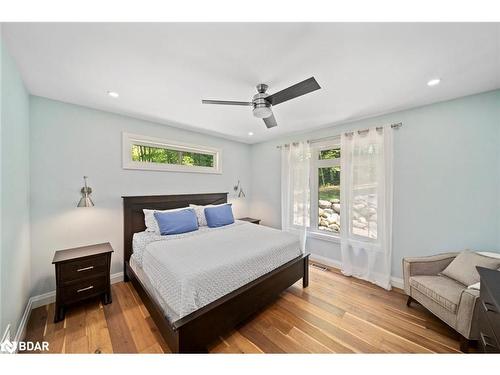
(270, 121)
(299, 89)
(226, 102)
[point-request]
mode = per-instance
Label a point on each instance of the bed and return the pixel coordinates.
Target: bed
(195, 295)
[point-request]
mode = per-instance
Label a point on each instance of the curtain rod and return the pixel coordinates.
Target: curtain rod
(393, 126)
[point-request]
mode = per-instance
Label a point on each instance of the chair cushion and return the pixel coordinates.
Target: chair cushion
(442, 290)
(463, 267)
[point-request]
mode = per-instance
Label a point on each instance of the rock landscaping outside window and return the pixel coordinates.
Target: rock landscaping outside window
(329, 215)
(364, 215)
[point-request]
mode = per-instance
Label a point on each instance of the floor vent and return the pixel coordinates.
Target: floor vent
(318, 267)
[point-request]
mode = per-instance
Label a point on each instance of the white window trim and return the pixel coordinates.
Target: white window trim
(313, 230)
(323, 235)
(129, 139)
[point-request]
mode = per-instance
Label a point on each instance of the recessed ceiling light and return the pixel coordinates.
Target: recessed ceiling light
(250, 133)
(113, 94)
(433, 82)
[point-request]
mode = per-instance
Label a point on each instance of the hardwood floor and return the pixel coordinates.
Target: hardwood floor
(335, 314)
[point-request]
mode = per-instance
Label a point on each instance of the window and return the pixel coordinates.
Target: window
(325, 186)
(141, 152)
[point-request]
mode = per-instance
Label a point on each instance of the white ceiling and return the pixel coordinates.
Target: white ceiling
(163, 70)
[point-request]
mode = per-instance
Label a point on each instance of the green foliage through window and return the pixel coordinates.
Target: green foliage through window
(162, 155)
(329, 183)
(333, 153)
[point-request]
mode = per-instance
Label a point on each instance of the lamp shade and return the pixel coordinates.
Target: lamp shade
(85, 200)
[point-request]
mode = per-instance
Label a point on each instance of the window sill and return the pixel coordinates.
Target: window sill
(323, 236)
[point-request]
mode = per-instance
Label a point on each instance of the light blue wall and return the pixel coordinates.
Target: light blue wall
(69, 141)
(15, 215)
(446, 178)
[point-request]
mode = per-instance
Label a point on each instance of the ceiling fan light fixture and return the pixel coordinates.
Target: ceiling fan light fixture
(262, 102)
(262, 111)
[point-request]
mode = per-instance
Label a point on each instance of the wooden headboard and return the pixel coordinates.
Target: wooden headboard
(133, 216)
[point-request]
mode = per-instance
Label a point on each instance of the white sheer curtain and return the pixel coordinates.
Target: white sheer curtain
(366, 187)
(295, 194)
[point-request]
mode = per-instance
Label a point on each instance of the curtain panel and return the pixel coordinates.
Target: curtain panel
(366, 195)
(295, 191)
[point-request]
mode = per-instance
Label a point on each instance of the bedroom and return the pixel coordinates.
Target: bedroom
(363, 159)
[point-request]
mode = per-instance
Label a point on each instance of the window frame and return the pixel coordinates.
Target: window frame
(316, 163)
(128, 140)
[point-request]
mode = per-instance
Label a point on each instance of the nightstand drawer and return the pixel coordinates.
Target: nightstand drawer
(487, 339)
(83, 268)
(84, 289)
(488, 299)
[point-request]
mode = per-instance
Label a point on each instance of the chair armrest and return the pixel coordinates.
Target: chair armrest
(427, 265)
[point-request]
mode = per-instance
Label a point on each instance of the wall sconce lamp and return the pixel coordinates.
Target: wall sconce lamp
(241, 193)
(85, 200)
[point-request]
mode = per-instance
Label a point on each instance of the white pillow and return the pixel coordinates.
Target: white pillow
(486, 254)
(200, 212)
(150, 220)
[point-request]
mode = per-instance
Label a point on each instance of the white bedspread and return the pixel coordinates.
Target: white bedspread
(190, 271)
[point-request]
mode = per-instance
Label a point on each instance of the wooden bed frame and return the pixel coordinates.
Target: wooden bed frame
(193, 332)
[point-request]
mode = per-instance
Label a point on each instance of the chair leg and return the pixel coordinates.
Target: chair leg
(464, 344)
(409, 301)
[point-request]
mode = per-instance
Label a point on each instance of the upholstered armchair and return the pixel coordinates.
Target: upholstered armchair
(448, 299)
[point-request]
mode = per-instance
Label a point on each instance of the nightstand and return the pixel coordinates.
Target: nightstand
(82, 273)
(250, 220)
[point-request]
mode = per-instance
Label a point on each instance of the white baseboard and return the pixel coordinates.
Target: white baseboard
(42, 299)
(45, 299)
(21, 328)
(6, 334)
(326, 261)
(396, 282)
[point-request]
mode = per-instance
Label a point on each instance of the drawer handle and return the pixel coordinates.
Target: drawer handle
(84, 269)
(84, 289)
(489, 307)
(485, 339)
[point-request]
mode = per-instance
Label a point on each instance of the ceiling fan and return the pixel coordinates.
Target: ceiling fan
(262, 102)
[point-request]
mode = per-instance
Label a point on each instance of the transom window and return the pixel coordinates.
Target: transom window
(325, 186)
(141, 152)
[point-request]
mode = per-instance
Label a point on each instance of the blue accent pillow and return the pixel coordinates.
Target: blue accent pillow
(219, 216)
(176, 222)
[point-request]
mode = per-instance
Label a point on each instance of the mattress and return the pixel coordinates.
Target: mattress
(187, 272)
